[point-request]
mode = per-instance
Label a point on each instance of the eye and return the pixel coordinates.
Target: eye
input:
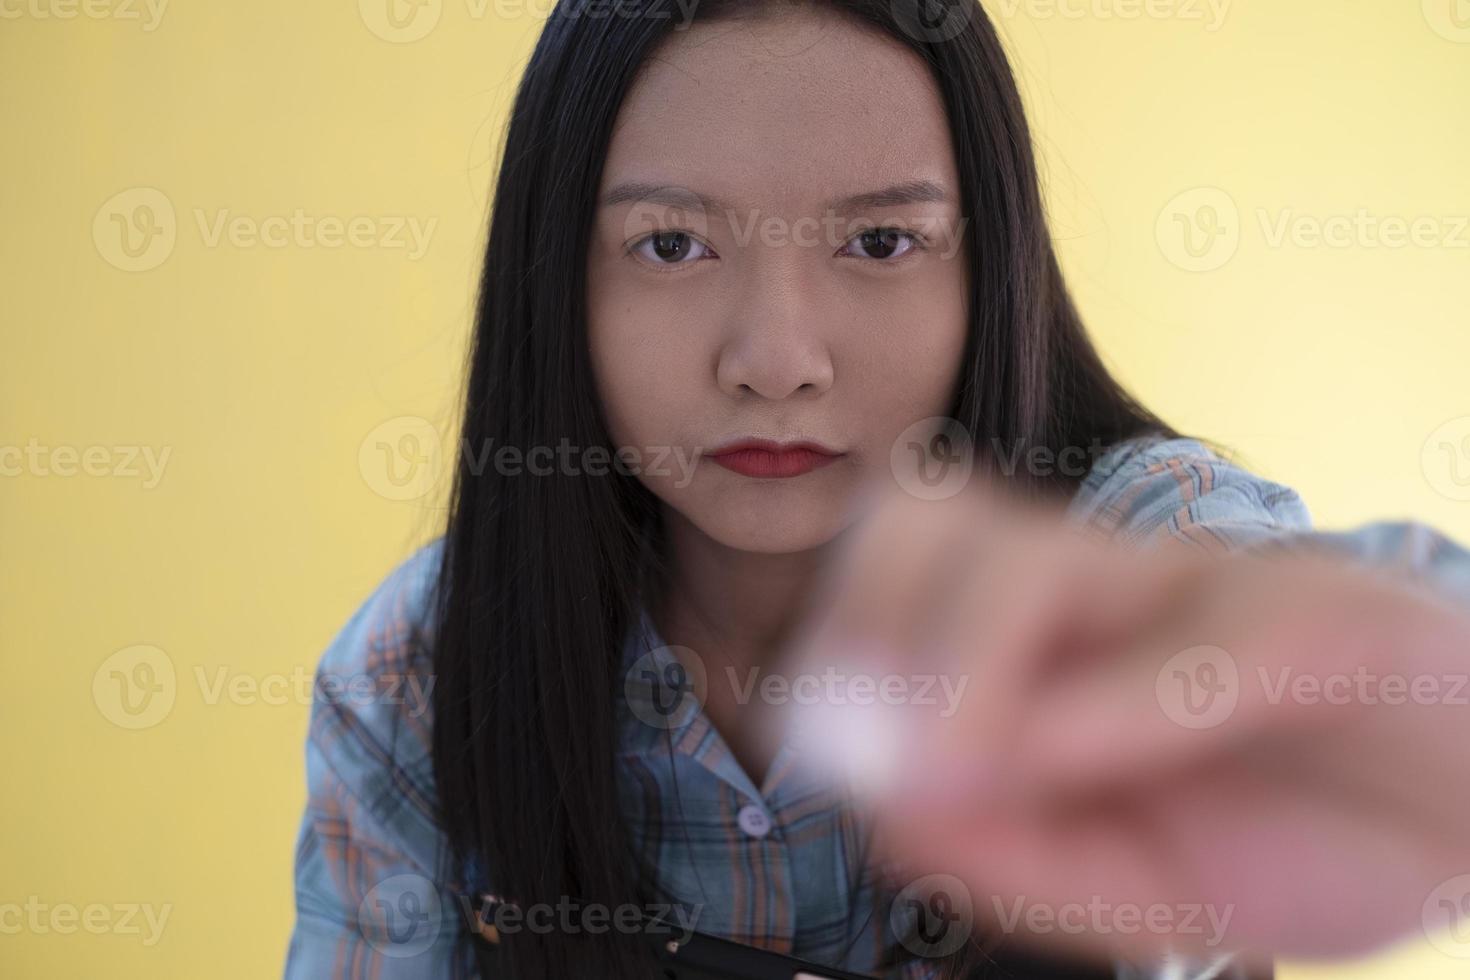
(671, 248)
(880, 244)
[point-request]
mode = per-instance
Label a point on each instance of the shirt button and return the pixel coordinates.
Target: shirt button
(753, 821)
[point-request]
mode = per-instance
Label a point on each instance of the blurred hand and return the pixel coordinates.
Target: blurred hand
(1148, 749)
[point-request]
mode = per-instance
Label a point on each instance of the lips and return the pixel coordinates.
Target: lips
(764, 459)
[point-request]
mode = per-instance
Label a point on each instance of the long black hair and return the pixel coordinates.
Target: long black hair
(542, 576)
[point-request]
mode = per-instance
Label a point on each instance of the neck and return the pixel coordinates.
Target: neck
(734, 608)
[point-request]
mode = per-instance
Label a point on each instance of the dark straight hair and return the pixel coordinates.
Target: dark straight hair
(542, 577)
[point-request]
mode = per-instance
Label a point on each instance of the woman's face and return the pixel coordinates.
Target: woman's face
(777, 255)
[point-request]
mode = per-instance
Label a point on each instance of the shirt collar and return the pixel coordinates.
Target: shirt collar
(661, 713)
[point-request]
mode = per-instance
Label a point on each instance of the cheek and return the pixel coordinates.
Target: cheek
(645, 365)
(912, 350)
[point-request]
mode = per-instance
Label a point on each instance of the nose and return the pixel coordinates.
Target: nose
(776, 345)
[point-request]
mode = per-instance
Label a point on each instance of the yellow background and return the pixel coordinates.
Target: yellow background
(263, 369)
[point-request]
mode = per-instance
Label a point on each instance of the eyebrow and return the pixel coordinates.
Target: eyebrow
(907, 192)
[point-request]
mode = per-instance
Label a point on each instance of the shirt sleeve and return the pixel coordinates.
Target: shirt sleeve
(1180, 491)
(371, 897)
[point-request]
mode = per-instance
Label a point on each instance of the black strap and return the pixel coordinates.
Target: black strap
(703, 957)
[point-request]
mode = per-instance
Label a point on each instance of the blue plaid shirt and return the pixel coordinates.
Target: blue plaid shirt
(781, 865)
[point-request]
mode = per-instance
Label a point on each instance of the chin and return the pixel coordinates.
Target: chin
(775, 524)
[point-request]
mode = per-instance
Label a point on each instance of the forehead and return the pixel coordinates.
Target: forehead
(785, 108)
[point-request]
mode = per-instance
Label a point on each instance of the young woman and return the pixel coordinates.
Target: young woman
(768, 292)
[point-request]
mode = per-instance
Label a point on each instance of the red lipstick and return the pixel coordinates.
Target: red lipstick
(764, 459)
